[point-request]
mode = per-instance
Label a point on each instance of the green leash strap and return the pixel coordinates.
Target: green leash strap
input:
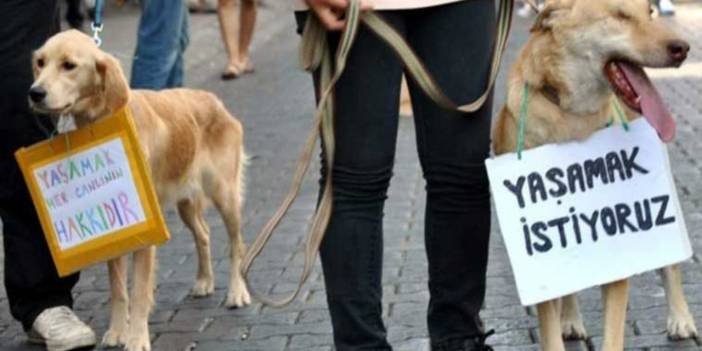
(315, 54)
(620, 113)
(522, 120)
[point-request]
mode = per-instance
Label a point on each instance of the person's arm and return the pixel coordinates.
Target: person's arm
(331, 12)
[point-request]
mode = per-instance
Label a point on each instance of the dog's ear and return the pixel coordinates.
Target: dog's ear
(548, 15)
(114, 85)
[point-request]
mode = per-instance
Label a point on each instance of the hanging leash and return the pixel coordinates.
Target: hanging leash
(96, 26)
(315, 55)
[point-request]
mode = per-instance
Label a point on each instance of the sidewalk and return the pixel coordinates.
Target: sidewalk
(275, 105)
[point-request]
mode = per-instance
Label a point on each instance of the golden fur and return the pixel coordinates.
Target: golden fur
(564, 58)
(194, 148)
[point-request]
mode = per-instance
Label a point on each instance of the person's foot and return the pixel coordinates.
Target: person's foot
(246, 66)
(666, 7)
(61, 330)
(478, 343)
(235, 70)
(201, 6)
(232, 71)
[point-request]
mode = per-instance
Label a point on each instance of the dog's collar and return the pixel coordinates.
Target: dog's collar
(551, 94)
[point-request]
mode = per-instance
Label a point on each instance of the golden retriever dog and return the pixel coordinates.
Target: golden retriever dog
(193, 146)
(580, 55)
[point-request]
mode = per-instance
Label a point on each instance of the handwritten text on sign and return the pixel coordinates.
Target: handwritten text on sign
(90, 194)
(583, 214)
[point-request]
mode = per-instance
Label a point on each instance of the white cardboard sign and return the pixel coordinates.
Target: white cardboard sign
(582, 214)
(90, 194)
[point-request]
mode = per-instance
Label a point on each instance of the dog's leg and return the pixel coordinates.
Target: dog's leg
(191, 213)
(228, 203)
(142, 300)
(571, 320)
(550, 326)
(616, 298)
(681, 324)
(119, 317)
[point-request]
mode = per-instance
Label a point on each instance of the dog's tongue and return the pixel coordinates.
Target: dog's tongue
(652, 106)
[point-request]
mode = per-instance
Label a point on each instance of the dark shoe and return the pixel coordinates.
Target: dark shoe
(478, 343)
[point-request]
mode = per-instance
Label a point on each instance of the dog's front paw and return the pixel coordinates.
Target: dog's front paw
(113, 337)
(203, 287)
(139, 342)
(681, 326)
(573, 330)
(238, 297)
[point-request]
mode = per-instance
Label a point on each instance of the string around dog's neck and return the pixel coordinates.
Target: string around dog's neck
(524, 109)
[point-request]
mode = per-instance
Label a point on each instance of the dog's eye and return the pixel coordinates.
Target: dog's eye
(67, 65)
(623, 16)
(40, 63)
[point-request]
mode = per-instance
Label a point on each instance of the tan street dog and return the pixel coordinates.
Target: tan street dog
(195, 151)
(579, 55)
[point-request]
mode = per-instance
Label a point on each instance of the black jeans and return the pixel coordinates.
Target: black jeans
(455, 42)
(31, 280)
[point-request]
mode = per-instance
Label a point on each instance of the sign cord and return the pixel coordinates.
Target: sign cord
(522, 120)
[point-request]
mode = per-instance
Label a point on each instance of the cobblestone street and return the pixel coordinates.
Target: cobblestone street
(275, 105)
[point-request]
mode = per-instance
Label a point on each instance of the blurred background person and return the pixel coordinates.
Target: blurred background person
(74, 14)
(204, 6)
(161, 42)
(237, 34)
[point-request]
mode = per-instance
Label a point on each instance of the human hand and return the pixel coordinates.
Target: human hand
(331, 12)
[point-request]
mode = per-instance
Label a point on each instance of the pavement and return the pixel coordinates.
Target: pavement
(275, 105)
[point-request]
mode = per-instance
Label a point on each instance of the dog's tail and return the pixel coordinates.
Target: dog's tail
(240, 153)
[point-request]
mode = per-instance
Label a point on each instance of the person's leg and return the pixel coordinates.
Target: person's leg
(366, 121)
(31, 281)
(74, 14)
(248, 25)
(228, 26)
(177, 76)
(455, 43)
(159, 43)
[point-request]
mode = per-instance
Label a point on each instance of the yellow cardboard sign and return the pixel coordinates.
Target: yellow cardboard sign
(93, 193)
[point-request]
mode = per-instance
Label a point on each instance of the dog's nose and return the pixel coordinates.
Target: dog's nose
(37, 93)
(678, 49)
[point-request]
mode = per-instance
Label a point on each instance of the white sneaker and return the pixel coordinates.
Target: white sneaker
(524, 10)
(61, 330)
(666, 7)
